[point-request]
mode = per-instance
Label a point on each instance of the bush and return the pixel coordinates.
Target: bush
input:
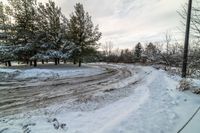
(196, 91)
(184, 85)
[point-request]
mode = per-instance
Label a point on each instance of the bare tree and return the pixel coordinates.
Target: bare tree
(107, 48)
(195, 18)
(168, 39)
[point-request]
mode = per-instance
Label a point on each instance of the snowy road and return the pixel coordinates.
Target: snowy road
(125, 99)
(15, 96)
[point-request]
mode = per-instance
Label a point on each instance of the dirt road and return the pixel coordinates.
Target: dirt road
(20, 96)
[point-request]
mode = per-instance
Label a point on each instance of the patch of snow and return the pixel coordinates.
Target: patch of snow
(8, 70)
(42, 74)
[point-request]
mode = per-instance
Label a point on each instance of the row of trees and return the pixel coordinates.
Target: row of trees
(156, 53)
(148, 53)
(32, 32)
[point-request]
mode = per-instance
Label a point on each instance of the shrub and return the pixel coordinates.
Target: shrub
(196, 91)
(184, 85)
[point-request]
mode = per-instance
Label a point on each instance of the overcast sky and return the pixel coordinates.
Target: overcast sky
(126, 22)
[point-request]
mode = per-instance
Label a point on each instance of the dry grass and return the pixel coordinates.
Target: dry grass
(185, 85)
(196, 91)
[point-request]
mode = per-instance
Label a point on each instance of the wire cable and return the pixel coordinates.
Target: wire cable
(189, 120)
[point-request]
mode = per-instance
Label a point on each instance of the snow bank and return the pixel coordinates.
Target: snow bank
(43, 74)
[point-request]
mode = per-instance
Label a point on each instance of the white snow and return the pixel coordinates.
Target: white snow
(153, 106)
(7, 70)
(42, 74)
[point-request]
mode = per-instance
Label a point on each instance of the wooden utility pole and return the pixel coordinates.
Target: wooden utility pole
(187, 35)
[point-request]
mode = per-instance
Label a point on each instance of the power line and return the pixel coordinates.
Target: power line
(189, 120)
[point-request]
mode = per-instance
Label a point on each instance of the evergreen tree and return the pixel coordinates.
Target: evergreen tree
(138, 52)
(6, 28)
(81, 31)
(26, 38)
(41, 32)
(3, 19)
(5, 22)
(6, 55)
(152, 52)
(50, 23)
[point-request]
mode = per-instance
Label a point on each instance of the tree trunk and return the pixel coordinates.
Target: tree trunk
(56, 63)
(9, 63)
(35, 63)
(65, 61)
(74, 61)
(27, 62)
(31, 63)
(6, 64)
(42, 61)
(79, 63)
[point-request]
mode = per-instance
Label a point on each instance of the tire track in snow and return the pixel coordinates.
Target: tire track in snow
(112, 115)
(28, 98)
(122, 109)
(145, 108)
(155, 115)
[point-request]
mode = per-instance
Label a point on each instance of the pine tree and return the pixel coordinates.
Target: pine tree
(152, 52)
(26, 38)
(6, 26)
(138, 52)
(6, 55)
(3, 19)
(81, 31)
(50, 23)
(6, 29)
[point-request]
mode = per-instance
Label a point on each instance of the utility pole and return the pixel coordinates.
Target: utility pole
(187, 35)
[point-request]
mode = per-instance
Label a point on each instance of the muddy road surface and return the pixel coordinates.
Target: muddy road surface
(21, 96)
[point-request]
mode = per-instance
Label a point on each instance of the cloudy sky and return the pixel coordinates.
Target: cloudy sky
(126, 22)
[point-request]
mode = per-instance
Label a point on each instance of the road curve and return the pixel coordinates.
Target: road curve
(16, 97)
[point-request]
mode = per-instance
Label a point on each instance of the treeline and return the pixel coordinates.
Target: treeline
(140, 54)
(170, 55)
(32, 32)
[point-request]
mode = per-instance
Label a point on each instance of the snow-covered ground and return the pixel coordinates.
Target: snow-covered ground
(146, 101)
(48, 73)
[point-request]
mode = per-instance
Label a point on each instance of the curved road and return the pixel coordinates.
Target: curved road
(16, 97)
